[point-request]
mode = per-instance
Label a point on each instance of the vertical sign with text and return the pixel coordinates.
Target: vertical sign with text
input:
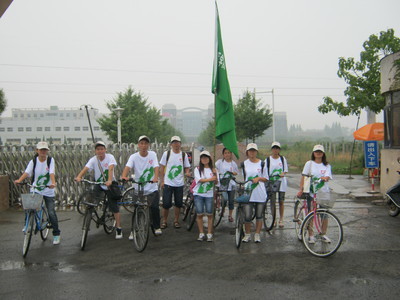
(371, 154)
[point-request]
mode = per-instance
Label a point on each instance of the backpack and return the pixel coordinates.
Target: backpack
(282, 160)
(169, 154)
(34, 166)
(244, 171)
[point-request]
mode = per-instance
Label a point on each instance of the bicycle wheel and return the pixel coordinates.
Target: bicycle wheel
(327, 231)
(218, 216)
(298, 217)
(269, 214)
(28, 233)
(86, 226)
(191, 218)
(80, 207)
(44, 224)
(188, 201)
(140, 228)
(239, 223)
(109, 220)
(127, 200)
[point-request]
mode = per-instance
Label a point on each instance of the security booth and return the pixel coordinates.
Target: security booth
(390, 89)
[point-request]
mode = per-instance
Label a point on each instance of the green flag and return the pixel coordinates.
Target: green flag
(224, 116)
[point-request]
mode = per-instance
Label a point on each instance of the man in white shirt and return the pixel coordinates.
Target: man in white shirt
(174, 164)
(145, 167)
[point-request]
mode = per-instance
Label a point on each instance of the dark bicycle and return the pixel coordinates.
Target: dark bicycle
(106, 218)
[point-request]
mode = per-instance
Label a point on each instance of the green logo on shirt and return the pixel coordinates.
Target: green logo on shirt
(147, 175)
(253, 185)
(174, 172)
(43, 180)
(205, 187)
(316, 187)
(100, 179)
(275, 174)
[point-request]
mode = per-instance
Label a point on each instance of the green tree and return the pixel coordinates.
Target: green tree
(206, 137)
(251, 118)
(138, 118)
(3, 101)
(363, 77)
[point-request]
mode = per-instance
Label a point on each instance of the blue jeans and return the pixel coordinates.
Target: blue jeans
(177, 191)
(203, 205)
(49, 201)
(228, 196)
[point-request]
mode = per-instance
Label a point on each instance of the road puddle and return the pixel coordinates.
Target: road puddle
(22, 265)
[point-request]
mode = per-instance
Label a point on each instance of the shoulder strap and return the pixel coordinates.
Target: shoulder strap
(283, 163)
(262, 166)
(168, 155)
(34, 167)
(183, 158)
(244, 171)
(48, 161)
(268, 163)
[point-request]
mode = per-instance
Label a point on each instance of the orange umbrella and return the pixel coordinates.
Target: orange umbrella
(370, 132)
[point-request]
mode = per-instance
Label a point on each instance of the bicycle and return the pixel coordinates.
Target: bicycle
(106, 218)
(221, 198)
(190, 211)
(141, 218)
(242, 199)
(313, 226)
(269, 215)
(35, 215)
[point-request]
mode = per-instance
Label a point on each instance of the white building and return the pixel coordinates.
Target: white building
(55, 125)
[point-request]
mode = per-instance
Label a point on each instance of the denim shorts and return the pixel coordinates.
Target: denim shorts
(203, 205)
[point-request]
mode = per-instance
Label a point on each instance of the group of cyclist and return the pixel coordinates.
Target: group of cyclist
(171, 169)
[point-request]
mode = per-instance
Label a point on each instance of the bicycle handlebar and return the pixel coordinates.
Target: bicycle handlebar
(92, 182)
(31, 185)
(137, 182)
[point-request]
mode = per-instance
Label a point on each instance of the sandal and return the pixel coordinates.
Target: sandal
(230, 219)
(163, 225)
(281, 224)
(177, 225)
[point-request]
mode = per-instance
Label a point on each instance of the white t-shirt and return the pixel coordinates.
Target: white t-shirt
(144, 169)
(223, 167)
(318, 171)
(253, 170)
(204, 189)
(276, 168)
(92, 164)
(174, 170)
(42, 176)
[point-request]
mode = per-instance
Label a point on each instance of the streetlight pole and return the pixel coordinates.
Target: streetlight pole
(118, 110)
(273, 111)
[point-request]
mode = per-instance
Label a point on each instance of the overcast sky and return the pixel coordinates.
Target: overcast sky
(75, 52)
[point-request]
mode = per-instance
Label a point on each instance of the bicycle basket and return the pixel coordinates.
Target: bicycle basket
(32, 201)
(324, 200)
(243, 194)
(92, 198)
(224, 183)
(273, 186)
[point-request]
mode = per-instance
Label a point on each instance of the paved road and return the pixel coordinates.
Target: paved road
(176, 266)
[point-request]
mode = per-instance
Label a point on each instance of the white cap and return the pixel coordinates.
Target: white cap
(275, 144)
(99, 143)
(143, 137)
(318, 148)
(205, 152)
(175, 138)
(42, 145)
(252, 146)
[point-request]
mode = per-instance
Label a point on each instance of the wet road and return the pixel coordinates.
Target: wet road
(176, 266)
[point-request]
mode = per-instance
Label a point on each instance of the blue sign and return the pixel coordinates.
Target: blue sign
(371, 154)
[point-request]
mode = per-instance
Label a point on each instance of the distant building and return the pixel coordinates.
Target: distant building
(281, 127)
(191, 121)
(55, 125)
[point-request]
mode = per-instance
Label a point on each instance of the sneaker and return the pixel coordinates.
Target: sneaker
(246, 238)
(158, 231)
(201, 237)
(311, 240)
(325, 239)
(257, 238)
(210, 237)
(131, 236)
(56, 240)
(118, 233)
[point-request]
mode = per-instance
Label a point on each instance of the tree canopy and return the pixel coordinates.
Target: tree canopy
(138, 118)
(3, 101)
(363, 77)
(251, 118)
(207, 136)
